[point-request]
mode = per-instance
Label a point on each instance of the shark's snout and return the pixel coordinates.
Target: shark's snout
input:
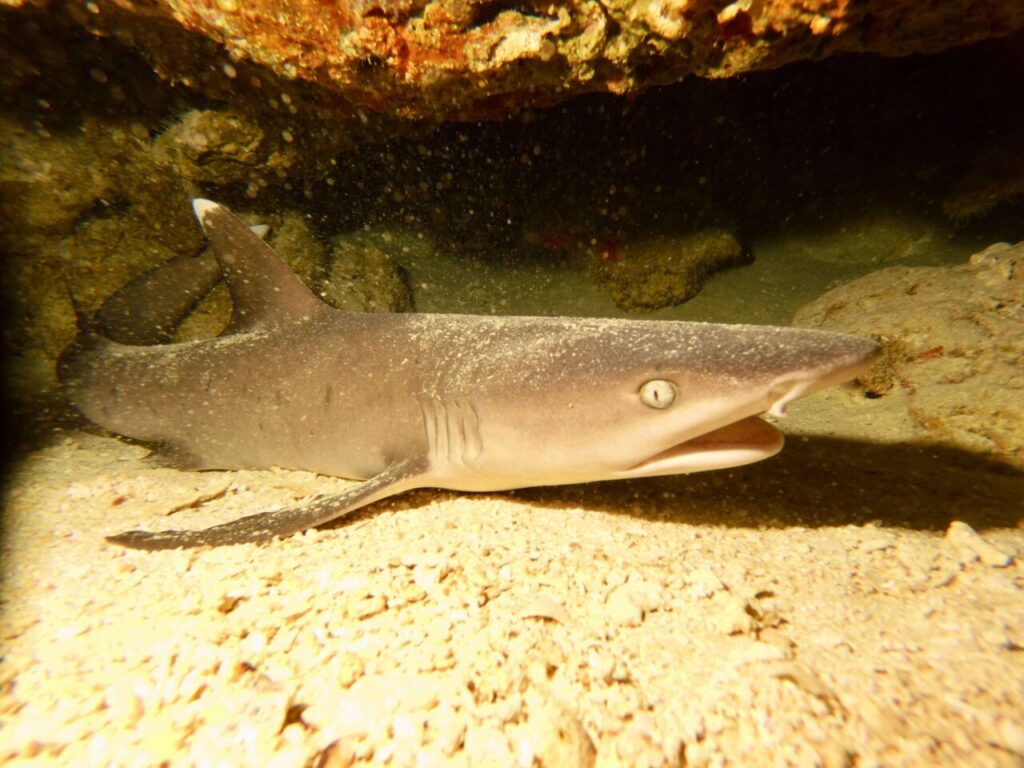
(725, 431)
(848, 366)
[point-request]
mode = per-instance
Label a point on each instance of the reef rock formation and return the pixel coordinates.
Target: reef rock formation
(362, 277)
(952, 341)
(662, 271)
(994, 175)
(469, 59)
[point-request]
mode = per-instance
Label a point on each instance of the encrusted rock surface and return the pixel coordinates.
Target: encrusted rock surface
(661, 271)
(480, 58)
(73, 201)
(364, 278)
(994, 175)
(952, 342)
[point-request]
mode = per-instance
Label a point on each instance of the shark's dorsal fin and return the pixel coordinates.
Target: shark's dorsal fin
(264, 290)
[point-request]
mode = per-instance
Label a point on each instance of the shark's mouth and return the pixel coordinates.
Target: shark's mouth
(742, 442)
(750, 439)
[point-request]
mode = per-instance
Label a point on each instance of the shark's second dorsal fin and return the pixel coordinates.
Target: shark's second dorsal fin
(264, 290)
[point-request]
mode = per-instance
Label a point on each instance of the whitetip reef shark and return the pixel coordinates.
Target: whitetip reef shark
(400, 401)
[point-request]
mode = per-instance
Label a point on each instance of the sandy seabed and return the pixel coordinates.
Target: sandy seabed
(855, 601)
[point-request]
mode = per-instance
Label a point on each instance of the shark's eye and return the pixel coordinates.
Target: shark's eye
(658, 393)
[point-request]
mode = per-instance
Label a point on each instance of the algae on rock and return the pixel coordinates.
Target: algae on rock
(664, 270)
(952, 341)
(363, 276)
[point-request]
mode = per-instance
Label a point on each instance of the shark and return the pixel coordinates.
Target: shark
(398, 401)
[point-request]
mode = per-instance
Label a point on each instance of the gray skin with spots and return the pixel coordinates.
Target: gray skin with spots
(466, 402)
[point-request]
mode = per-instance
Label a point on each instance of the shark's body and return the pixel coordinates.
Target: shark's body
(453, 401)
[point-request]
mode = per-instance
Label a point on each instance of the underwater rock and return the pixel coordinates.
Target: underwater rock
(952, 341)
(554, 735)
(99, 256)
(213, 147)
(895, 237)
(104, 253)
(71, 192)
(471, 59)
(994, 175)
(91, 204)
(222, 147)
(38, 318)
(48, 180)
(363, 277)
(663, 270)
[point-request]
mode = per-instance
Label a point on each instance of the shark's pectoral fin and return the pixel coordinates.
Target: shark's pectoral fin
(264, 526)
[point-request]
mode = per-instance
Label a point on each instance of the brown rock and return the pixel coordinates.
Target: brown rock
(663, 271)
(48, 181)
(952, 341)
(213, 147)
(994, 175)
(476, 58)
(556, 737)
(362, 277)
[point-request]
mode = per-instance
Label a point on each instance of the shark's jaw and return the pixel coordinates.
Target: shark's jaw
(748, 439)
(743, 442)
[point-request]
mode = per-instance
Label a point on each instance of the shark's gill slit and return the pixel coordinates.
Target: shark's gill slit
(430, 426)
(453, 428)
(475, 443)
(443, 432)
(459, 452)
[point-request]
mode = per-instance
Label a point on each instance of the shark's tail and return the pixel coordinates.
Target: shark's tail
(148, 309)
(87, 339)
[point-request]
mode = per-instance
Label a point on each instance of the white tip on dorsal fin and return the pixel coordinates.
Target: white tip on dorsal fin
(264, 290)
(201, 207)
